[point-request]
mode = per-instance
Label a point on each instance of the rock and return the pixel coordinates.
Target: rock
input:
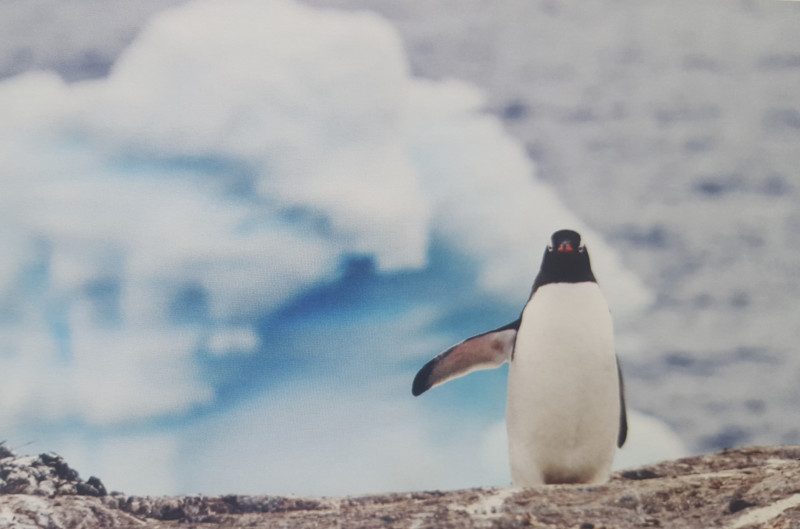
(76, 512)
(172, 509)
(93, 487)
(67, 489)
(57, 463)
(735, 489)
(46, 488)
(44, 475)
(19, 481)
(4, 451)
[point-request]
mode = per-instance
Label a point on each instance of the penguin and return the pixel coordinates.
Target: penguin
(565, 408)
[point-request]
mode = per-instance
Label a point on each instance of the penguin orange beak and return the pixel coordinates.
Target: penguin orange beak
(565, 246)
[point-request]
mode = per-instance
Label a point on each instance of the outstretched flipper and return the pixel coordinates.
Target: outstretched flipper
(484, 351)
(623, 415)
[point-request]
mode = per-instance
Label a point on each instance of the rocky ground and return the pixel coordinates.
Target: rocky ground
(735, 489)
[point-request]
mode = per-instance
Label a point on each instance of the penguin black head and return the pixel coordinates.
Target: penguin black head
(566, 241)
(565, 261)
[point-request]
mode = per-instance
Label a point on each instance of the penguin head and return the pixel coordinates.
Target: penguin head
(566, 241)
(565, 261)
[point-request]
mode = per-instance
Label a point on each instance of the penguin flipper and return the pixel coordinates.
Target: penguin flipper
(623, 415)
(484, 351)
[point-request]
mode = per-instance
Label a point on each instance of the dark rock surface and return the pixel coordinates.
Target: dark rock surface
(43, 475)
(735, 489)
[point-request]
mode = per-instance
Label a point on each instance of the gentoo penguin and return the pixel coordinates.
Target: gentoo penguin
(565, 411)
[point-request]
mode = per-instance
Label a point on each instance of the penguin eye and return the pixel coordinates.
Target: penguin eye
(549, 248)
(581, 248)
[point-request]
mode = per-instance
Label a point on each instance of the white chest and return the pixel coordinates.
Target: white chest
(563, 393)
(563, 326)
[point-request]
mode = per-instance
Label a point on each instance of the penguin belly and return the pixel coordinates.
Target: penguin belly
(563, 408)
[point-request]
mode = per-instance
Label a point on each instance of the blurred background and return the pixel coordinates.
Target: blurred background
(232, 231)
